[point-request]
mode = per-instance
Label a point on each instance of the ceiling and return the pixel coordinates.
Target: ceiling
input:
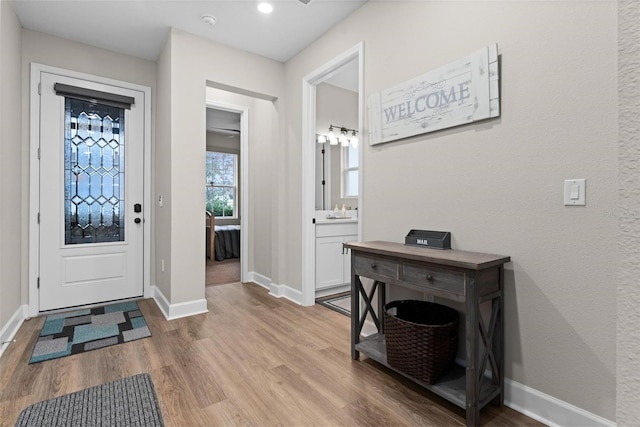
(223, 122)
(140, 27)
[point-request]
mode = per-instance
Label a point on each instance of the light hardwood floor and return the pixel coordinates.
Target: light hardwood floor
(252, 360)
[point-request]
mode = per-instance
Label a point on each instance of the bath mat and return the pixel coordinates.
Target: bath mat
(340, 303)
(89, 329)
(130, 401)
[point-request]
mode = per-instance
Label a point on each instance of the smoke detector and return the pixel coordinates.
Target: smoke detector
(210, 20)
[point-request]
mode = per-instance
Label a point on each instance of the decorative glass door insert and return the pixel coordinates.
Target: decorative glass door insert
(93, 172)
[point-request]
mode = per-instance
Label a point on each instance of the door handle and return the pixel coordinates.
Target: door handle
(137, 220)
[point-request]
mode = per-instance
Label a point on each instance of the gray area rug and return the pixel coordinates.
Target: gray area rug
(128, 401)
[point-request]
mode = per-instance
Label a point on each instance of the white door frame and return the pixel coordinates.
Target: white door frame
(34, 176)
(309, 83)
(244, 180)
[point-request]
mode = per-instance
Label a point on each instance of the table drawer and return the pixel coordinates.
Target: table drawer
(434, 278)
(376, 268)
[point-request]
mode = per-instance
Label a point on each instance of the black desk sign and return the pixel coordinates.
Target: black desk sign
(429, 239)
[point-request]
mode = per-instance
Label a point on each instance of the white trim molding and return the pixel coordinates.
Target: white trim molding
(259, 279)
(8, 333)
(548, 409)
(275, 290)
(284, 291)
(181, 309)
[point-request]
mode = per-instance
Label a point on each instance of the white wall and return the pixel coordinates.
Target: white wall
(194, 63)
(628, 343)
(10, 165)
(497, 185)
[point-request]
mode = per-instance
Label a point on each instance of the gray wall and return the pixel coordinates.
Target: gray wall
(57, 52)
(628, 343)
(497, 185)
(10, 167)
(193, 64)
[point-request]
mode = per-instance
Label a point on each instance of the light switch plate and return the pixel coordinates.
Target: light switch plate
(575, 192)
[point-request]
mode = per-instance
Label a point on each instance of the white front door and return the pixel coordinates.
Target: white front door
(91, 192)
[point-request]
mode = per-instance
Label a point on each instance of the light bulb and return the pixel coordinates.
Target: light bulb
(322, 139)
(343, 140)
(354, 140)
(332, 137)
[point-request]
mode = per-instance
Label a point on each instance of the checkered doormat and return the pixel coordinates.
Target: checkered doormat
(89, 329)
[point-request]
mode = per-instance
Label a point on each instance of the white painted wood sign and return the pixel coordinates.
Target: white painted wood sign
(461, 92)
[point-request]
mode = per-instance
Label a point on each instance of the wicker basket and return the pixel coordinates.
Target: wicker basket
(422, 338)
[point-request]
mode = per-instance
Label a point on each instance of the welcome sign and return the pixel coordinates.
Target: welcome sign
(461, 92)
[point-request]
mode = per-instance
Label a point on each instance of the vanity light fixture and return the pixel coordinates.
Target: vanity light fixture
(343, 137)
(265, 7)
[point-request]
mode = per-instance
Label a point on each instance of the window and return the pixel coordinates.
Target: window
(350, 172)
(222, 184)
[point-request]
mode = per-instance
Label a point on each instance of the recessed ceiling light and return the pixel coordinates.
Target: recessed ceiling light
(210, 20)
(265, 7)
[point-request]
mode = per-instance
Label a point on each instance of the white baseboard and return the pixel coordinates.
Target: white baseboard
(284, 291)
(8, 333)
(548, 409)
(259, 279)
(275, 290)
(182, 309)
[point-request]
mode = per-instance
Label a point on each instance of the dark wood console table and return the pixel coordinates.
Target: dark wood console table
(467, 277)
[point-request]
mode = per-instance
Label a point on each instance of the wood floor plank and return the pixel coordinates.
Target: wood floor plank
(251, 360)
(226, 413)
(177, 403)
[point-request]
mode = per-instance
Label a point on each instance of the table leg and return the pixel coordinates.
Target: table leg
(498, 340)
(355, 311)
(472, 338)
(382, 301)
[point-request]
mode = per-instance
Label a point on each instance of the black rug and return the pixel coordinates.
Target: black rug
(340, 303)
(82, 330)
(128, 401)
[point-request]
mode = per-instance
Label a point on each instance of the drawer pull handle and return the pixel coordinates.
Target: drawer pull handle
(373, 265)
(429, 278)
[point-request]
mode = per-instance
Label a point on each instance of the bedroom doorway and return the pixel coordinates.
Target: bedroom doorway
(225, 193)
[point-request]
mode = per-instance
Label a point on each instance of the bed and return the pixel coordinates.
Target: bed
(227, 242)
(224, 243)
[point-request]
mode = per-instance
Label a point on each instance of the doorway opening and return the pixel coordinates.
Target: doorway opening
(225, 189)
(324, 74)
